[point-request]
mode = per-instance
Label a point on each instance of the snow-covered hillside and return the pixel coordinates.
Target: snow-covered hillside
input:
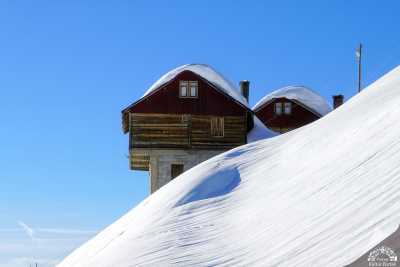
(321, 195)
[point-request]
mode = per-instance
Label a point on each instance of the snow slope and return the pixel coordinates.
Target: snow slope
(208, 73)
(321, 195)
(301, 94)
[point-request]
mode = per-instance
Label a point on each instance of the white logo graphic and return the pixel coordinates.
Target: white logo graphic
(382, 257)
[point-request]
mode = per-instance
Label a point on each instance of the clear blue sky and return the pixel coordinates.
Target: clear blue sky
(67, 69)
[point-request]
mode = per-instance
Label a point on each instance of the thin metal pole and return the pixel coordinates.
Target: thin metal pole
(359, 55)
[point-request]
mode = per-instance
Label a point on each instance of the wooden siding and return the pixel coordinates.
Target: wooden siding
(139, 162)
(300, 116)
(159, 131)
(234, 132)
(184, 131)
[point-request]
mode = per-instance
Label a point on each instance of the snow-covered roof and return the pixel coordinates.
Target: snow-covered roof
(206, 72)
(316, 196)
(301, 94)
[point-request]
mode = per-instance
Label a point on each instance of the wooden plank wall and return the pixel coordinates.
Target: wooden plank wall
(234, 132)
(139, 162)
(184, 131)
(158, 131)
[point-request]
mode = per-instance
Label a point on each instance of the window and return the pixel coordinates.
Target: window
(288, 108)
(193, 88)
(183, 88)
(188, 89)
(176, 170)
(278, 108)
(217, 127)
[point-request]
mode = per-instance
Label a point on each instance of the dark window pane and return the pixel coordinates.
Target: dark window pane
(176, 170)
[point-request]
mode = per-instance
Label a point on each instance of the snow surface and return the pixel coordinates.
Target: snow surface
(207, 73)
(259, 131)
(321, 195)
(301, 94)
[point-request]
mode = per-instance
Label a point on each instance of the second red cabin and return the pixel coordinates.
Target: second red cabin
(290, 107)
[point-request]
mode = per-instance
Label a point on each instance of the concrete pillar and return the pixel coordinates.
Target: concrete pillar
(153, 174)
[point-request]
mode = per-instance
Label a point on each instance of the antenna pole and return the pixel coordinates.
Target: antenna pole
(359, 55)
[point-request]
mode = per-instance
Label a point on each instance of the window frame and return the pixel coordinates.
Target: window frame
(287, 111)
(189, 86)
(217, 127)
(280, 109)
(196, 87)
(183, 84)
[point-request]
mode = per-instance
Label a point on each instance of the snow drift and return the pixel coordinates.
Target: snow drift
(322, 195)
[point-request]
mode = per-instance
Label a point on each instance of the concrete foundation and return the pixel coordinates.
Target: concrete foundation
(161, 161)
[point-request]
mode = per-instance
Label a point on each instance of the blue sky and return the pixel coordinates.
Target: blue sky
(67, 69)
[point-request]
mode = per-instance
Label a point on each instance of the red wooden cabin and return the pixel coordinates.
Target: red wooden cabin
(290, 108)
(190, 115)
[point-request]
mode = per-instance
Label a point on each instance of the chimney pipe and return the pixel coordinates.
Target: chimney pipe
(337, 101)
(244, 89)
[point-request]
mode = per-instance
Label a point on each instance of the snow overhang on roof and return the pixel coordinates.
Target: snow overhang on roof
(301, 94)
(206, 72)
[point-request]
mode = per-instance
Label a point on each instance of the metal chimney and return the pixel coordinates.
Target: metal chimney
(244, 89)
(337, 101)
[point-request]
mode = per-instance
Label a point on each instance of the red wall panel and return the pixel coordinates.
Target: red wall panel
(209, 102)
(299, 117)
